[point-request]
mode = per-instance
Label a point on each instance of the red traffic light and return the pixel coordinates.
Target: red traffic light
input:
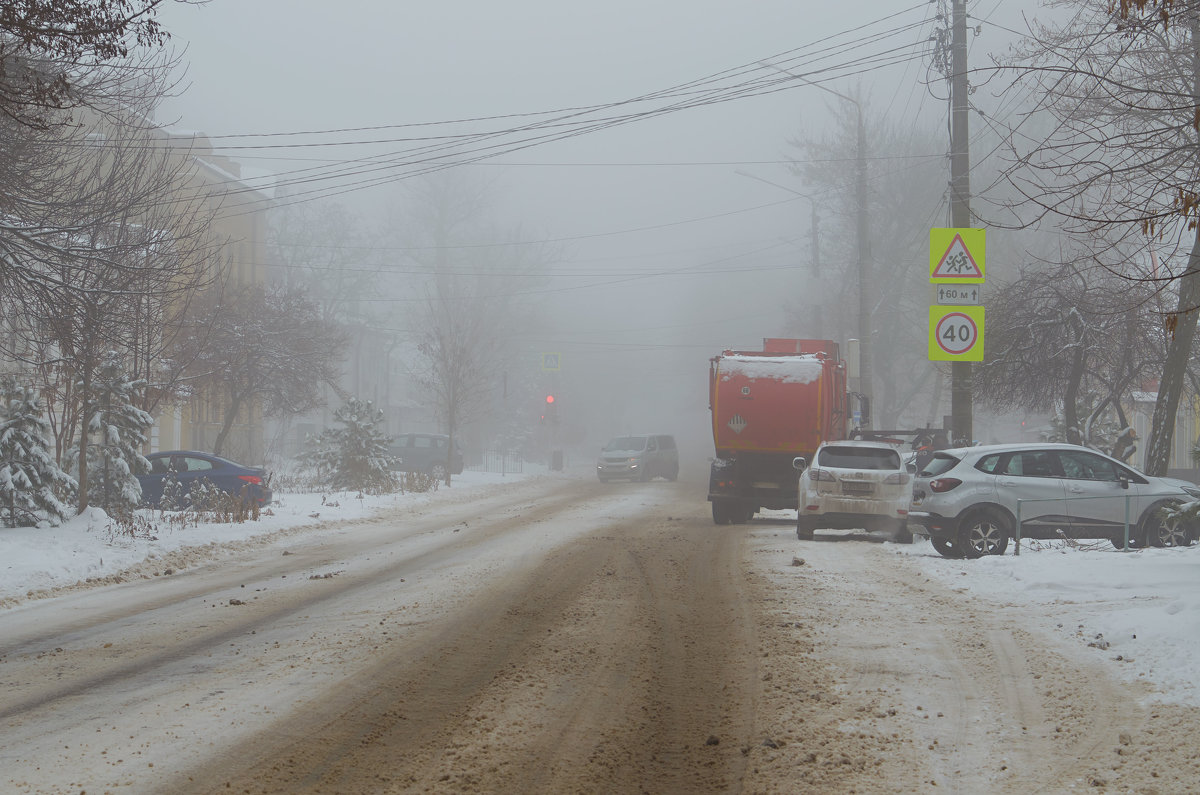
(549, 398)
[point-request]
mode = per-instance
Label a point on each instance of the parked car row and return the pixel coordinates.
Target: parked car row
(968, 501)
(427, 453)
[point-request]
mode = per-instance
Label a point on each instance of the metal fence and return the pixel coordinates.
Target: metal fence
(1126, 497)
(498, 462)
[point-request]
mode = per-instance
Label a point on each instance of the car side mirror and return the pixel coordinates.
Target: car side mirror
(799, 463)
(911, 466)
(1123, 479)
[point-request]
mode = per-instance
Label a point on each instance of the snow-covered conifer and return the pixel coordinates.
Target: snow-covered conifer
(116, 431)
(32, 486)
(355, 457)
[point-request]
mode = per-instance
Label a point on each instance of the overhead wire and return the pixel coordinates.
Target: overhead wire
(374, 170)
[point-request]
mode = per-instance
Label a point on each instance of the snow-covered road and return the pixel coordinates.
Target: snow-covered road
(552, 634)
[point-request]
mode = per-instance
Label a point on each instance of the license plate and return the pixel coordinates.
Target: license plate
(857, 487)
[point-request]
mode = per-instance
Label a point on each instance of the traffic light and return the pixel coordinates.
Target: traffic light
(549, 399)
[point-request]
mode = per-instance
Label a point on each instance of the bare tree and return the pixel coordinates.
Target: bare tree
(256, 346)
(104, 241)
(903, 195)
(1122, 160)
(1071, 340)
(47, 47)
(473, 299)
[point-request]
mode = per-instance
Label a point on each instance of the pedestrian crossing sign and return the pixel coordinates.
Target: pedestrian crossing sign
(956, 256)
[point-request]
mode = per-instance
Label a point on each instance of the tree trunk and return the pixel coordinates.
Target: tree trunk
(1179, 349)
(85, 422)
(1071, 427)
(235, 405)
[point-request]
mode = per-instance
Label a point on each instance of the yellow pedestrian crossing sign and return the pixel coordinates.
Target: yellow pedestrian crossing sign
(550, 361)
(956, 256)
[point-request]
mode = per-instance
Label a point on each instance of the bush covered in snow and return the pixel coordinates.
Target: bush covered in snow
(32, 486)
(115, 435)
(355, 456)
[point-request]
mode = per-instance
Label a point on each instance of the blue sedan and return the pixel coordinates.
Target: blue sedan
(191, 466)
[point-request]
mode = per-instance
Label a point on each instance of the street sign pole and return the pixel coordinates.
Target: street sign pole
(960, 201)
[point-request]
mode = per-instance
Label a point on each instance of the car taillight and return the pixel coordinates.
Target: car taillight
(255, 479)
(896, 479)
(820, 474)
(938, 485)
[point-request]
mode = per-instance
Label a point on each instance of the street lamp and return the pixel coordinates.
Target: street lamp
(862, 241)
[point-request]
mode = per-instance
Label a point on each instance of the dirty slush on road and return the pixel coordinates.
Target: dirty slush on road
(571, 639)
(876, 679)
(663, 654)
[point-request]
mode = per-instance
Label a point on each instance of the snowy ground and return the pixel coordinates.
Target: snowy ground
(34, 562)
(1140, 610)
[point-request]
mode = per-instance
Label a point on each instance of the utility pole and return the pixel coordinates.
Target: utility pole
(864, 264)
(960, 200)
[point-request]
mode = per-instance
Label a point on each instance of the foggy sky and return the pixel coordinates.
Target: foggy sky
(282, 66)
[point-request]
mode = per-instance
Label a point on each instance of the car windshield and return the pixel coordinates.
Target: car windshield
(627, 443)
(858, 458)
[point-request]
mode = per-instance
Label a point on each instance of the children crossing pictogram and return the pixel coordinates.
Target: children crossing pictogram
(957, 263)
(956, 256)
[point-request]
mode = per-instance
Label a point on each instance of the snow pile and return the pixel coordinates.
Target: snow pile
(1140, 609)
(802, 369)
(35, 561)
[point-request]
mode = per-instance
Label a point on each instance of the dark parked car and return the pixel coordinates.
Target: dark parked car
(191, 466)
(427, 453)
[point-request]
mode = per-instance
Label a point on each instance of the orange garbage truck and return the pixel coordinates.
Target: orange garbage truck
(768, 407)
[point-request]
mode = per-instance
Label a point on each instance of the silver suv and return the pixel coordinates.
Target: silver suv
(638, 458)
(967, 500)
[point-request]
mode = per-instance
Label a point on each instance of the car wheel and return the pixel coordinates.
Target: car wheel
(674, 475)
(437, 471)
(901, 534)
(1136, 539)
(804, 528)
(1159, 532)
(945, 547)
(983, 532)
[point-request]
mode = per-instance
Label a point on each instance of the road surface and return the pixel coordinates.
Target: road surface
(559, 635)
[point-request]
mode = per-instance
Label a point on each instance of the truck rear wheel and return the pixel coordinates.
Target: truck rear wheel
(723, 511)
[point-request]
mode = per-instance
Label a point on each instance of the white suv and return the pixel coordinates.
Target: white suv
(854, 484)
(967, 500)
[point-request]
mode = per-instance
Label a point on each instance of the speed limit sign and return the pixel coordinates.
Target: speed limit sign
(956, 333)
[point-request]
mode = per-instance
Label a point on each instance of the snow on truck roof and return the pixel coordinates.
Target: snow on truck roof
(794, 369)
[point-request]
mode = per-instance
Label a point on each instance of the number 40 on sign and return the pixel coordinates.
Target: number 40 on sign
(956, 333)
